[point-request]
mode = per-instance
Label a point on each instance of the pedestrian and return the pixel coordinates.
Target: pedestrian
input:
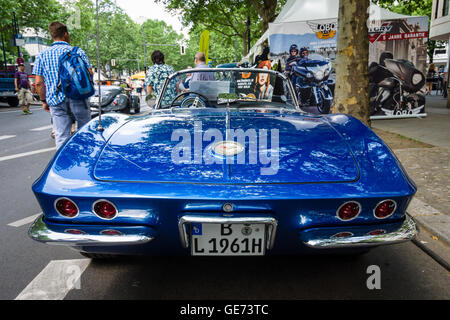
(430, 78)
(23, 86)
(157, 75)
(53, 99)
(200, 63)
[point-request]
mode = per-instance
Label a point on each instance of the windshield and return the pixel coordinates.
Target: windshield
(217, 87)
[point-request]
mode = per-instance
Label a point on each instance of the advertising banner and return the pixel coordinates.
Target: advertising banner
(397, 62)
(397, 67)
(311, 72)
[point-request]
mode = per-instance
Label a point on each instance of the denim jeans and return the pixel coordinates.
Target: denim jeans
(62, 121)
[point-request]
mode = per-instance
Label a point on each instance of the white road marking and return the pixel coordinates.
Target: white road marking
(42, 128)
(55, 280)
(24, 154)
(6, 137)
(24, 221)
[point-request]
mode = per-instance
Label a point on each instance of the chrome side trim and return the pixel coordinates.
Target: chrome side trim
(406, 232)
(269, 221)
(40, 232)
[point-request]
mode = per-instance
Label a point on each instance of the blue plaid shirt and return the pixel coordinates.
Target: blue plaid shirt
(47, 66)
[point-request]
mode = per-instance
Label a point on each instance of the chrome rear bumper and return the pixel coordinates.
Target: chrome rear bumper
(39, 231)
(406, 232)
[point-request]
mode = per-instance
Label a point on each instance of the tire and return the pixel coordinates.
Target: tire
(13, 102)
(126, 110)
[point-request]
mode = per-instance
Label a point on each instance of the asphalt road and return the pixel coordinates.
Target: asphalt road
(32, 270)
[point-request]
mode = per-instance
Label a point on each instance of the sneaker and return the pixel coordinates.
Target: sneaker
(29, 112)
(24, 112)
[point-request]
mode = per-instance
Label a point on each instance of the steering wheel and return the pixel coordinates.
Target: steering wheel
(196, 101)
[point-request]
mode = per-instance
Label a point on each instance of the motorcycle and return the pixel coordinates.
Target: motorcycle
(310, 79)
(397, 92)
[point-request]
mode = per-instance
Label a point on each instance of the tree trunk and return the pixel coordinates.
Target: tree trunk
(352, 60)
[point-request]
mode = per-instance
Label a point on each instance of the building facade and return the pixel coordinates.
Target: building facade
(440, 28)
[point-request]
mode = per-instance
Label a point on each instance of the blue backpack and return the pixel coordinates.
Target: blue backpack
(75, 80)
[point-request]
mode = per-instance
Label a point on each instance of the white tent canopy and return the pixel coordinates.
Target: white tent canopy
(308, 10)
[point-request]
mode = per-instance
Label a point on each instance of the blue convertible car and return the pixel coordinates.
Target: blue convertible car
(230, 166)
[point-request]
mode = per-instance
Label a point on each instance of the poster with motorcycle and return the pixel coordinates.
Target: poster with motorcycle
(397, 66)
(397, 62)
(307, 51)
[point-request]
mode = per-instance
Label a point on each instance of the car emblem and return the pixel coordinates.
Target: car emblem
(227, 148)
(228, 207)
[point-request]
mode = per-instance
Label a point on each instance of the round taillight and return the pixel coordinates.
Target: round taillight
(385, 209)
(105, 209)
(111, 232)
(344, 234)
(74, 231)
(349, 210)
(66, 207)
(376, 232)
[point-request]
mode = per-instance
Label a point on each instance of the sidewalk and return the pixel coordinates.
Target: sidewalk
(427, 163)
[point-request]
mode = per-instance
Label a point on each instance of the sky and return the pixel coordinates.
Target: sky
(141, 10)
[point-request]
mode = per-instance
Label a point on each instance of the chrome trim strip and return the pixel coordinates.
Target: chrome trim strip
(406, 232)
(40, 232)
(269, 221)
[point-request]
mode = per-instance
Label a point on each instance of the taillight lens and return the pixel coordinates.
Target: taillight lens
(66, 207)
(111, 232)
(376, 232)
(344, 234)
(74, 231)
(105, 209)
(385, 208)
(349, 210)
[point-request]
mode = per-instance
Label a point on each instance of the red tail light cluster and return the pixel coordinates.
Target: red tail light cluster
(102, 208)
(384, 209)
(349, 210)
(105, 209)
(66, 207)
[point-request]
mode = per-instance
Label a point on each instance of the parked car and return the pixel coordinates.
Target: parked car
(115, 98)
(7, 89)
(231, 167)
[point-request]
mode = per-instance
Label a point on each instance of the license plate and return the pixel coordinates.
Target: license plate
(215, 239)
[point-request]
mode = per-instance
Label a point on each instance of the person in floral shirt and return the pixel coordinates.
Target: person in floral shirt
(156, 76)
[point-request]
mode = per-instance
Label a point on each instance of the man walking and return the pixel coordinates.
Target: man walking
(22, 85)
(48, 86)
